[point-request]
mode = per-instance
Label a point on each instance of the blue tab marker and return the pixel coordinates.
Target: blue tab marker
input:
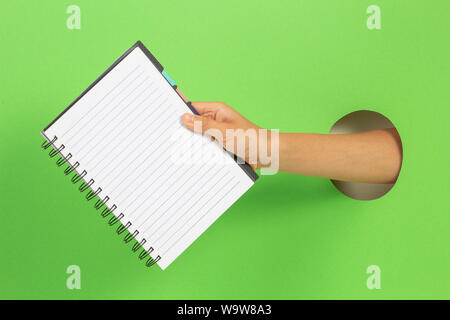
(168, 78)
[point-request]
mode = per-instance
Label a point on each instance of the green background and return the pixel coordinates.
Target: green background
(293, 65)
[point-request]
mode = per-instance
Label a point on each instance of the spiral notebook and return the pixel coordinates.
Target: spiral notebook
(160, 185)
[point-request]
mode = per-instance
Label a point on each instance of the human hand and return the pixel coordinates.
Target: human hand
(232, 130)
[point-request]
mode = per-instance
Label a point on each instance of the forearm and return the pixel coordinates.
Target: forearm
(371, 157)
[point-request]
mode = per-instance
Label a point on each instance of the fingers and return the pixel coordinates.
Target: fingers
(204, 107)
(202, 124)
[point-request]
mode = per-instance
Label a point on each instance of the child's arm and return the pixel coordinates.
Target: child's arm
(371, 156)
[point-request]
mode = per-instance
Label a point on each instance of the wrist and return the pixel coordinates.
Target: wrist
(268, 150)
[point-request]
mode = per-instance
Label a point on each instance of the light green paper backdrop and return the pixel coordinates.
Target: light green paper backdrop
(291, 65)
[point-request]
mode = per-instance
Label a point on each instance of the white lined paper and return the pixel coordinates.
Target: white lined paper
(120, 132)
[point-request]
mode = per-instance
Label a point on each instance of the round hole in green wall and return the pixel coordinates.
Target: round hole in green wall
(360, 121)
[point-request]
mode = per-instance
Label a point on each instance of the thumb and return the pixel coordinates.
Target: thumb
(203, 125)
